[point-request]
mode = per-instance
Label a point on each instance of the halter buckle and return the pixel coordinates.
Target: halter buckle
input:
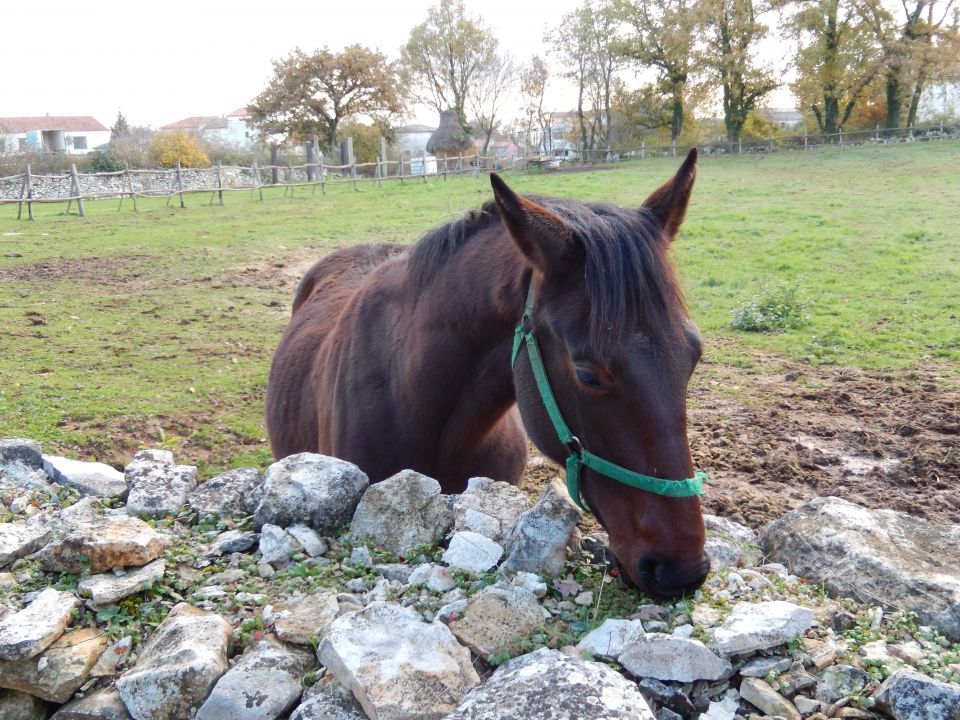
(574, 445)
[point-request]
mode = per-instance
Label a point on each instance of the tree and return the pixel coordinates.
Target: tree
(491, 90)
(446, 55)
(662, 38)
(120, 128)
(585, 44)
(170, 147)
(914, 49)
(837, 58)
(534, 79)
(313, 94)
(731, 30)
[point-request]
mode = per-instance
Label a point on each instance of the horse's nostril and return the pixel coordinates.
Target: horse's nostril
(666, 578)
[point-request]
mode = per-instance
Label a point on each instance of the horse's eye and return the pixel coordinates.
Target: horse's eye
(589, 379)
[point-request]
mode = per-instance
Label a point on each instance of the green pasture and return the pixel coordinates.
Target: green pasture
(123, 329)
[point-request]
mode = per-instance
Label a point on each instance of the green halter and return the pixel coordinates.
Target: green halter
(579, 456)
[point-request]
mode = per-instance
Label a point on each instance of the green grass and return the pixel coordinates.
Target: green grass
(158, 326)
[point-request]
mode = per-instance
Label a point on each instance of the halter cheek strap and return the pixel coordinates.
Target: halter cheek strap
(580, 456)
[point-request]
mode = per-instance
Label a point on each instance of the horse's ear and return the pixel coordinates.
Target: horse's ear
(668, 203)
(542, 237)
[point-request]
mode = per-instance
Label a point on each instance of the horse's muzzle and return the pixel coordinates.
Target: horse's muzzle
(667, 579)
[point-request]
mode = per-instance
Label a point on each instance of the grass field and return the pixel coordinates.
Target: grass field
(122, 328)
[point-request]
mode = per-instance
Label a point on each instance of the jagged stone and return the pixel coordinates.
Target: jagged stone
(839, 681)
(101, 704)
(21, 450)
(90, 478)
(32, 630)
(262, 685)
(667, 657)
(21, 706)
(304, 620)
(111, 542)
(231, 541)
(759, 694)
(396, 665)
(435, 577)
(309, 489)
(672, 698)
(875, 555)
(112, 658)
(224, 494)
(472, 552)
(488, 507)
(18, 540)
(538, 540)
(328, 700)
(157, 486)
(757, 626)
(730, 544)
(60, 670)
(608, 640)
(497, 618)
(276, 545)
(911, 695)
(178, 666)
(548, 685)
(308, 540)
(106, 589)
(403, 513)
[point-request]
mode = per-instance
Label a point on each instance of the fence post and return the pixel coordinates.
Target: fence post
(804, 139)
(643, 149)
(910, 130)
(274, 159)
(323, 174)
(27, 188)
(289, 187)
(353, 172)
(423, 167)
(256, 179)
(309, 147)
(180, 185)
(739, 146)
(75, 188)
(876, 132)
(840, 135)
(219, 183)
(674, 144)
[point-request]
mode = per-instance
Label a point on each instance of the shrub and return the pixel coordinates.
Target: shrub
(104, 161)
(168, 148)
(775, 308)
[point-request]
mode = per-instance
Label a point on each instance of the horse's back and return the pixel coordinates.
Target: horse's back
(323, 293)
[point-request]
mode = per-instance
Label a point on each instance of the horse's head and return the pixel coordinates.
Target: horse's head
(618, 350)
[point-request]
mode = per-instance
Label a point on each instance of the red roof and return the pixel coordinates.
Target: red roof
(69, 123)
(191, 123)
(240, 112)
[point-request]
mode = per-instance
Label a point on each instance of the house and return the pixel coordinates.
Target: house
(70, 134)
(412, 139)
(940, 102)
(783, 118)
(230, 130)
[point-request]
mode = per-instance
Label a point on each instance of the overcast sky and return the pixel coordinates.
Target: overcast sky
(162, 62)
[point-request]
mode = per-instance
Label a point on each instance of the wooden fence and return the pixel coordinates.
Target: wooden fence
(321, 175)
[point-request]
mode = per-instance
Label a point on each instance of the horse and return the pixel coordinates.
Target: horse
(434, 357)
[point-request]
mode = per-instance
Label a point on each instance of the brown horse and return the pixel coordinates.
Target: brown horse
(401, 358)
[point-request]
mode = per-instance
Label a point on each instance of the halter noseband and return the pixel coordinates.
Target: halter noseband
(580, 456)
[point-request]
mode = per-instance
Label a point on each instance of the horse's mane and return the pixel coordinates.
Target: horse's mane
(627, 271)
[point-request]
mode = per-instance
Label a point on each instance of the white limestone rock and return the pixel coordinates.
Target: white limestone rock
(488, 507)
(397, 666)
(157, 486)
(57, 673)
(179, 665)
(225, 494)
(403, 512)
(548, 685)
(29, 632)
(668, 657)
(304, 620)
(497, 618)
(309, 489)
(17, 540)
(90, 478)
(109, 542)
(472, 552)
(262, 685)
(106, 589)
(538, 540)
(758, 626)
(608, 640)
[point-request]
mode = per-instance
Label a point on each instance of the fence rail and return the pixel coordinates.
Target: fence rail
(178, 182)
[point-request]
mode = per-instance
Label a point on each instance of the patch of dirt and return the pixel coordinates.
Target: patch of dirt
(780, 439)
(113, 270)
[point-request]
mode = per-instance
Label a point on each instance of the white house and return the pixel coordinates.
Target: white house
(229, 130)
(71, 134)
(784, 118)
(412, 139)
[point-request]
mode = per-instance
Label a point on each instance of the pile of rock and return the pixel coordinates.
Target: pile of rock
(153, 596)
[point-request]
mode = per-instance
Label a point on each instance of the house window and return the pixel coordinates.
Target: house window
(22, 144)
(79, 142)
(557, 134)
